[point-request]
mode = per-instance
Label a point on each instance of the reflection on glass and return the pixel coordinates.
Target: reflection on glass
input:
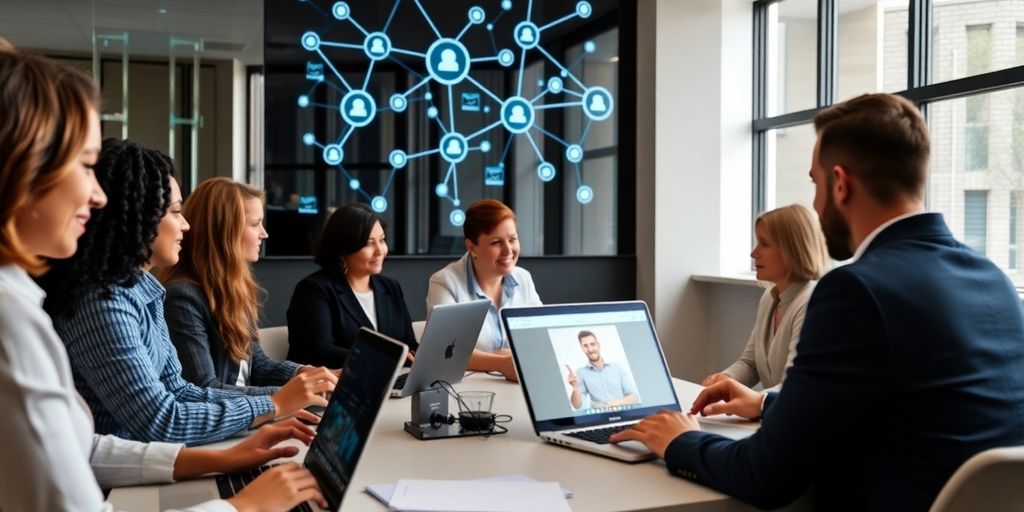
(973, 37)
(788, 165)
(792, 56)
(871, 48)
(977, 172)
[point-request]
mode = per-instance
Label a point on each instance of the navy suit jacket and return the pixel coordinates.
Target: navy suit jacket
(324, 316)
(911, 360)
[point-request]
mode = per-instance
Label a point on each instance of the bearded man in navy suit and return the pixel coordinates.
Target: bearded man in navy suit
(911, 357)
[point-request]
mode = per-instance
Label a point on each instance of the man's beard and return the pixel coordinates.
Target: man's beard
(837, 231)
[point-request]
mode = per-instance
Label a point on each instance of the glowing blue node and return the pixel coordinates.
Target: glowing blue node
(506, 57)
(545, 171)
(485, 146)
(598, 103)
(555, 84)
(357, 108)
(340, 10)
(308, 139)
(564, 73)
(476, 15)
(353, 184)
(574, 153)
(487, 109)
(398, 103)
(379, 204)
(517, 114)
(303, 101)
(584, 194)
(377, 46)
(506, 4)
(457, 217)
(333, 154)
(398, 158)
(447, 61)
(583, 9)
(428, 96)
(490, 27)
(454, 147)
(456, 201)
(310, 41)
(589, 47)
(432, 112)
(441, 189)
(527, 35)
(540, 82)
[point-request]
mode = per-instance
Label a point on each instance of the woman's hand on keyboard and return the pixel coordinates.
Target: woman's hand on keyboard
(306, 388)
(279, 489)
(264, 445)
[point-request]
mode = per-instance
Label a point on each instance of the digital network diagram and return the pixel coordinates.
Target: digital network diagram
(449, 62)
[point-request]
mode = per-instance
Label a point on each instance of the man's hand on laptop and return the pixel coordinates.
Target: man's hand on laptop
(307, 387)
(658, 430)
(262, 446)
(279, 489)
(728, 397)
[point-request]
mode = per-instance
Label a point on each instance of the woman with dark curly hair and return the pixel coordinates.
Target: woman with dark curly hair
(108, 309)
(49, 141)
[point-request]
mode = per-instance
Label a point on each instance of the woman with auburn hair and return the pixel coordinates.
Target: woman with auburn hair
(791, 255)
(212, 304)
(487, 271)
(329, 306)
(108, 309)
(49, 142)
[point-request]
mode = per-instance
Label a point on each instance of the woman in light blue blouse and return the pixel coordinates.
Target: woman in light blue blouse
(488, 270)
(108, 309)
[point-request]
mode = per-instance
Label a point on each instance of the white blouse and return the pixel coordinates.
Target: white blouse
(52, 458)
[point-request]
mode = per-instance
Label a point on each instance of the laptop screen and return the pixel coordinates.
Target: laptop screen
(348, 420)
(587, 364)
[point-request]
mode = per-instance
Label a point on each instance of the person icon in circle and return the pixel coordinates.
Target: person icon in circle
(526, 35)
(454, 148)
(377, 46)
(597, 103)
(518, 115)
(448, 63)
(358, 109)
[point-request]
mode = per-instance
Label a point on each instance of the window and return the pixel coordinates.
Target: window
(976, 219)
(961, 61)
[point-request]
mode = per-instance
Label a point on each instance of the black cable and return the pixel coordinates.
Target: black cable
(496, 420)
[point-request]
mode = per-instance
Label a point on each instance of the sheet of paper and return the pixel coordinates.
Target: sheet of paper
(477, 496)
(383, 492)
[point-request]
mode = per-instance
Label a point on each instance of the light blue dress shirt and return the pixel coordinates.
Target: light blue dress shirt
(457, 283)
(611, 382)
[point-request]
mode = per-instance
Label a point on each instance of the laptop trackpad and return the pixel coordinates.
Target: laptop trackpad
(633, 447)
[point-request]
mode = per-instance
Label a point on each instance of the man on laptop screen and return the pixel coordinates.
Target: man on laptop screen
(599, 383)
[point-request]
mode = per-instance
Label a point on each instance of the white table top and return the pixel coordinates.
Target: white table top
(598, 483)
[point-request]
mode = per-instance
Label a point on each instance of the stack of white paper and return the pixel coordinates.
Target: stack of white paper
(477, 496)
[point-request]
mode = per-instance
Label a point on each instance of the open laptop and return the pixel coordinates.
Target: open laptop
(447, 343)
(625, 380)
(344, 430)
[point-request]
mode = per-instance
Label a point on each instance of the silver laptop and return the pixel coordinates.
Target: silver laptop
(343, 433)
(447, 343)
(589, 370)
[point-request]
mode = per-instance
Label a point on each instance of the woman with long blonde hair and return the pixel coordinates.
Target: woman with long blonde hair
(213, 300)
(790, 255)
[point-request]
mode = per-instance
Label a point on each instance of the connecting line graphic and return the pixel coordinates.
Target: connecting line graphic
(448, 62)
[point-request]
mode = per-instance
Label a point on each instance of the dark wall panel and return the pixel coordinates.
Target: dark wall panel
(558, 279)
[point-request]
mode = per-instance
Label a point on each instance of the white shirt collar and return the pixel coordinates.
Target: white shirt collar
(19, 281)
(870, 238)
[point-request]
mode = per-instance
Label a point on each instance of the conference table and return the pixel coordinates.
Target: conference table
(597, 483)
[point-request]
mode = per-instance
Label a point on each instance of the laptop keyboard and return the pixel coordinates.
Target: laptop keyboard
(230, 485)
(598, 435)
(400, 381)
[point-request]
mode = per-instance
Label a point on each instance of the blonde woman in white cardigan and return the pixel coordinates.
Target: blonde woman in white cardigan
(790, 255)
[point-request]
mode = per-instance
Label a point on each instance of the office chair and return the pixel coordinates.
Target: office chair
(274, 341)
(990, 480)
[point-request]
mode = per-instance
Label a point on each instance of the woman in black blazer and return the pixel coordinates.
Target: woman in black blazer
(330, 305)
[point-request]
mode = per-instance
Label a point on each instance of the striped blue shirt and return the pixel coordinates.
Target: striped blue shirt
(126, 368)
